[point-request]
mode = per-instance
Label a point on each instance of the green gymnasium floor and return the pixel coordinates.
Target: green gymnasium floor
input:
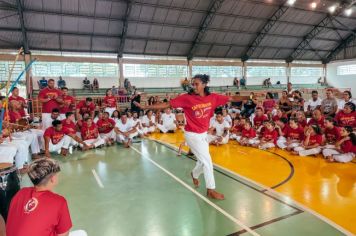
(147, 190)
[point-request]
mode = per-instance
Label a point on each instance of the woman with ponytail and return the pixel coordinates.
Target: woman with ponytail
(199, 106)
(345, 148)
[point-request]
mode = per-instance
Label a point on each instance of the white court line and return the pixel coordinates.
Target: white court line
(222, 211)
(280, 195)
(96, 176)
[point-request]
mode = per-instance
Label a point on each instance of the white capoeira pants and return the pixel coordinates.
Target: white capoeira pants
(266, 145)
(46, 120)
(96, 142)
(30, 138)
(282, 143)
(110, 135)
(251, 141)
(166, 127)
(339, 157)
(307, 152)
(7, 153)
(110, 110)
(123, 139)
(147, 130)
(199, 145)
(63, 143)
(211, 138)
(22, 155)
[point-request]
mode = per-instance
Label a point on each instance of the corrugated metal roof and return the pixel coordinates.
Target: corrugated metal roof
(170, 27)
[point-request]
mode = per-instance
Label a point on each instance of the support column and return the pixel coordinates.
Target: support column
(288, 72)
(324, 73)
(28, 76)
(244, 70)
(190, 69)
(121, 72)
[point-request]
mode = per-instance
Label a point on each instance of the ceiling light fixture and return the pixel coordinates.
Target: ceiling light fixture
(332, 9)
(348, 12)
(291, 2)
(313, 5)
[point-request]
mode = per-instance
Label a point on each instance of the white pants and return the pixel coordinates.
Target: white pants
(110, 110)
(250, 141)
(307, 152)
(7, 153)
(78, 233)
(266, 146)
(234, 136)
(46, 120)
(96, 142)
(282, 143)
(110, 135)
(63, 143)
(149, 129)
(32, 138)
(123, 139)
(339, 157)
(22, 155)
(199, 145)
(166, 127)
(211, 138)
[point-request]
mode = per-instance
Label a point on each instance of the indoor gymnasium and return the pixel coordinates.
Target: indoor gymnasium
(177, 117)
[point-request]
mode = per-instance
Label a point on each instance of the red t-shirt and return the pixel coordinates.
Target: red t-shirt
(110, 101)
(251, 133)
(332, 135)
(258, 120)
(270, 135)
(235, 129)
(276, 117)
(295, 134)
(198, 110)
(55, 135)
(35, 213)
(14, 116)
(313, 139)
(68, 104)
(105, 126)
(22, 101)
(84, 108)
(47, 107)
(268, 105)
(320, 122)
(69, 127)
(347, 147)
(89, 132)
(344, 119)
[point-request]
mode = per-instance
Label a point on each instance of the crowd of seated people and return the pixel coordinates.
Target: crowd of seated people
(319, 125)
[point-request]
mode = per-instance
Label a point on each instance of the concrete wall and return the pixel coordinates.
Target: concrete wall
(341, 81)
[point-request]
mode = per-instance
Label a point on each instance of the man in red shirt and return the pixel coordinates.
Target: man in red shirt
(90, 134)
(50, 98)
(106, 128)
(199, 105)
(292, 135)
(59, 140)
(85, 106)
(38, 211)
(15, 97)
(67, 105)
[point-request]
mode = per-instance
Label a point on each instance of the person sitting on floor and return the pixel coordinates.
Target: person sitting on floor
(167, 122)
(148, 122)
(312, 142)
(248, 135)
(125, 131)
(269, 136)
(106, 127)
(90, 134)
(293, 136)
(345, 148)
(219, 130)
